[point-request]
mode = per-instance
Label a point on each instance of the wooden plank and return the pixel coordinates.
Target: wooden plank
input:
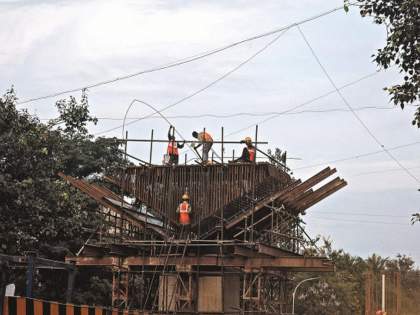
(100, 195)
(21, 305)
(210, 294)
(327, 187)
(301, 196)
(244, 251)
(167, 292)
(325, 195)
(231, 293)
(259, 206)
(285, 263)
(39, 307)
(273, 251)
(312, 181)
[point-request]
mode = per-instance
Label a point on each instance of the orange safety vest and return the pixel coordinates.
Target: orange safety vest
(172, 148)
(251, 152)
(184, 216)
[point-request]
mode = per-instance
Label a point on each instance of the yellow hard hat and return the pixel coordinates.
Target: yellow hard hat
(248, 139)
(185, 196)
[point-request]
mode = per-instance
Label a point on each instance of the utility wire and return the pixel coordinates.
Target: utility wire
(246, 61)
(245, 114)
(203, 88)
(156, 111)
(303, 104)
(364, 214)
(360, 221)
(386, 171)
(358, 156)
(372, 135)
(184, 60)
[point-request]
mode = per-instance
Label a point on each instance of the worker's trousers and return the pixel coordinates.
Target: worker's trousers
(206, 149)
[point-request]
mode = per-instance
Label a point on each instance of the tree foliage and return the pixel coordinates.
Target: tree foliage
(415, 218)
(38, 211)
(402, 47)
(342, 292)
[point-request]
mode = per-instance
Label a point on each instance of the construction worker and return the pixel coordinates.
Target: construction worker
(248, 153)
(173, 146)
(207, 141)
(184, 210)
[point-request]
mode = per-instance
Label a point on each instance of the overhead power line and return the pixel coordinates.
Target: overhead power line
(240, 65)
(360, 221)
(346, 102)
(181, 61)
(386, 171)
(364, 214)
(245, 114)
(254, 124)
(357, 156)
(304, 103)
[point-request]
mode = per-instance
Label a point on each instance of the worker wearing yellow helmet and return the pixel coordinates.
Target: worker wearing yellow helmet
(184, 210)
(248, 153)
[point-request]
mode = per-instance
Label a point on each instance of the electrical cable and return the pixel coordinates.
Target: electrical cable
(386, 171)
(304, 103)
(244, 114)
(358, 156)
(184, 60)
(364, 214)
(372, 135)
(360, 221)
(225, 75)
(157, 111)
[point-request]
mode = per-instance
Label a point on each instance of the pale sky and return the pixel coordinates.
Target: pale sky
(48, 46)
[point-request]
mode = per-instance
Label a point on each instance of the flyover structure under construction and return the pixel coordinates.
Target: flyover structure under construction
(246, 236)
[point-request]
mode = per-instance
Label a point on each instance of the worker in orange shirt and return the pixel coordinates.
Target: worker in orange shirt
(206, 141)
(184, 211)
(173, 146)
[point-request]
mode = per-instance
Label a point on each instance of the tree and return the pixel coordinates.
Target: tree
(38, 211)
(415, 218)
(343, 292)
(340, 292)
(401, 19)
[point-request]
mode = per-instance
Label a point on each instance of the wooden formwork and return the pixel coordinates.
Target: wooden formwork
(210, 188)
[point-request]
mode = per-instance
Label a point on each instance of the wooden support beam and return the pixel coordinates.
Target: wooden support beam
(261, 205)
(286, 263)
(274, 252)
(264, 218)
(321, 193)
(105, 197)
(94, 250)
(310, 182)
(118, 250)
(40, 263)
(301, 196)
(107, 261)
(186, 141)
(245, 252)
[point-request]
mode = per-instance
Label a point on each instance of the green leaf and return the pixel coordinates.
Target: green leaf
(346, 8)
